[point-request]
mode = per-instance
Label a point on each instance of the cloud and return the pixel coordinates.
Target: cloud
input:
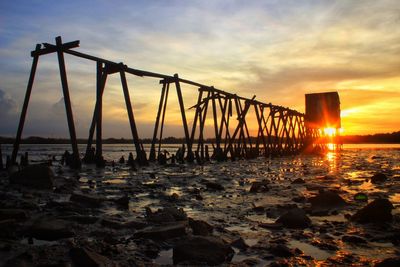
(277, 50)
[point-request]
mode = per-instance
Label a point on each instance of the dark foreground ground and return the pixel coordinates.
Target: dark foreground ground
(334, 210)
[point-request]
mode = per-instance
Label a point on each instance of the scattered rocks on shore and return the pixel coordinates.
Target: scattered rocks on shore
(200, 227)
(201, 250)
(378, 211)
(325, 201)
(34, 176)
(162, 232)
(50, 229)
(259, 186)
(378, 178)
(87, 200)
(88, 258)
(389, 262)
(294, 218)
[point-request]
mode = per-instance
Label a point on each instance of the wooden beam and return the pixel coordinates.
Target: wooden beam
(25, 106)
(140, 154)
(49, 48)
(68, 108)
(190, 155)
(152, 156)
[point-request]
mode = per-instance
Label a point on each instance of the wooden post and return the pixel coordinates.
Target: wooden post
(140, 154)
(67, 100)
(102, 81)
(99, 105)
(202, 119)
(260, 127)
(214, 106)
(196, 115)
(25, 105)
(241, 118)
(190, 155)
(153, 141)
(163, 119)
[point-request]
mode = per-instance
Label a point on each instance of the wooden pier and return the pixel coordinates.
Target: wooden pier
(281, 130)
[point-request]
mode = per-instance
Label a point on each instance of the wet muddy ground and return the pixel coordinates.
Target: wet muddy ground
(117, 216)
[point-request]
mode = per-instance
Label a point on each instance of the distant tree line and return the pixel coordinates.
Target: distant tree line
(389, 138)
(381, 138)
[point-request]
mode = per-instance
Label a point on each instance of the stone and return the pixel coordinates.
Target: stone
(200, 227)
(50, 229)
(135, 224)
(112, 224)
(280, 250)
(87, 200)
(259, 187)
(378, 211)
(16, 214)
(378, 178)
(389, 262)
(201, 250)
(353, 239)
(82, 219)
(327, 200)
(214, 186)
(166, 215)
(299, 181)
(162, 232)
(294, 218)
(88, 258)
(34, 176)
(122, 202)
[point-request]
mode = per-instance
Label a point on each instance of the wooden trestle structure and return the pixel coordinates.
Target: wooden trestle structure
(280, 130)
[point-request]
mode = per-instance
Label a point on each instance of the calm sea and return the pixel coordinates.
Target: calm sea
(41, 152)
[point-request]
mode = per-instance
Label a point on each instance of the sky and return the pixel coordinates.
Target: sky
(276, 50)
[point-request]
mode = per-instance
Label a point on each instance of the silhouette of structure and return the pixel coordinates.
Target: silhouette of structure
(323, 113)
(280, 130)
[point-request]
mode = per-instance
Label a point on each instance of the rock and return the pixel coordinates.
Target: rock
(295, 218)
(326, 200)
(50, 229)
(239, 243)
(298, 181)
(201, 250)
(200, 227)
(8, 229)
(259, 187)
(214, 186)
(82, 219)
(389, 262)
(87, 200)
(34, 176)
(353, 239)
(135, 224)
(16, 214)
(162, 232)
(280, 250)
(166, 215)
(378, 211)
(88, 258)
(378, 178)
(122, 202)
(112, 224)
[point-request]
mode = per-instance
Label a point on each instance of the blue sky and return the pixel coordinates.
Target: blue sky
(277, 50)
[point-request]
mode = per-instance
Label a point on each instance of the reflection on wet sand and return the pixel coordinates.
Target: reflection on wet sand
(242, 200)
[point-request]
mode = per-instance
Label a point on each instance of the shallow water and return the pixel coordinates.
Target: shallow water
(239, 212)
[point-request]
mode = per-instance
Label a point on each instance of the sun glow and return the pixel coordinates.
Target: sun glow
(330, 131)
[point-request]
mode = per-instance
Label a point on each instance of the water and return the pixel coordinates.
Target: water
(232, 209)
